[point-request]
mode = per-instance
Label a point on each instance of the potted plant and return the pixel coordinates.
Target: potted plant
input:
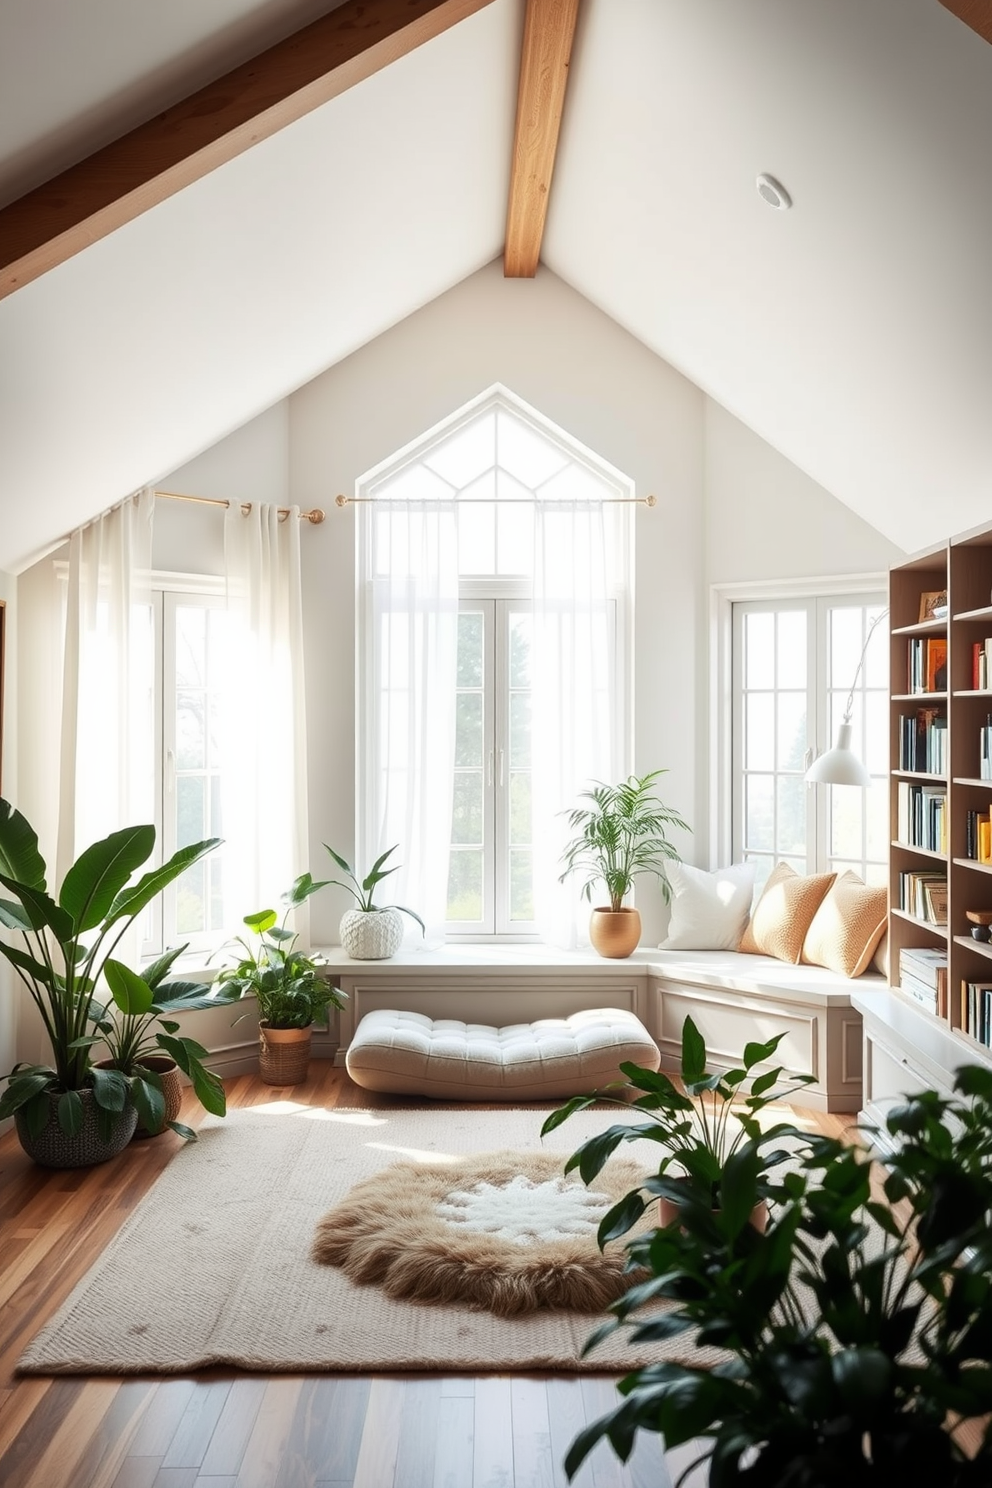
(370, 932)
(622, 832)
(291, 991)
(708, 1130)
(856, 1331)
(69, 1113)
(152, 1060)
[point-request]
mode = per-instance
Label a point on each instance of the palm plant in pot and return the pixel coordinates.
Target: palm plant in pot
(621, 833)
(856, 1331)
(151, 1057)
(289, 987)
(371, 932)
(707, 1128)
(69, 1113)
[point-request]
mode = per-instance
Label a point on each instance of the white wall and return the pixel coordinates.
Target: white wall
(9, 986)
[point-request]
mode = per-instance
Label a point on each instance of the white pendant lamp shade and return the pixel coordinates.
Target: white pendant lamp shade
(840, 765)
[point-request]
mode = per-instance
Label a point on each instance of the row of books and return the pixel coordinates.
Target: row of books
(927, 664)
(981, 664)
(924, 895)
(923, 977)
(985, 750)
(923, 741)
(978, 835)
(921, 816)
(976, 1010)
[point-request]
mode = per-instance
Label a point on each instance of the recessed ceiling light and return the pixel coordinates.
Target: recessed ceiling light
(773, 192)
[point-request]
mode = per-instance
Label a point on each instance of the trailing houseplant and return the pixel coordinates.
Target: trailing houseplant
(856, 1332)
(622, 832)
(370, 932)
(707, 1131)
(289, 987)
(69, 1113)
(151, 1057)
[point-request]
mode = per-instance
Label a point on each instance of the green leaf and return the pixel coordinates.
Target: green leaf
(100, 872)
(620, 1219)
(70, 1112)
(261, 920)
(577, 1103)
(23, 1088)
(186, 1132)
(19, 855)
(14, 917)
(110, 1089)
(36, 970)
(131, 992)
(131, 901)
(41, 910)
(37, 1112)
(150, 1103)
(693, 1053)
(302, 888)
(154, 974)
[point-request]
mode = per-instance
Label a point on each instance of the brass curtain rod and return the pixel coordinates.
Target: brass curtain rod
(314, 517)
(499, 501)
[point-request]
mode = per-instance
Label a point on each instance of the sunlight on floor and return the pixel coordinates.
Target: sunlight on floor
(320, 1113)
(415, 1153)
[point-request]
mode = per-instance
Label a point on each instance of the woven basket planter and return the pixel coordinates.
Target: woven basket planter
(283, 1054)
(371, 934)
(54, 1148)
(172, 1090)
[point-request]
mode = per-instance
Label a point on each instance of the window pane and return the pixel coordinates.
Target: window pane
(846, 641)
(759, 746)
(190, 917)
(520, 809)
(467, 452)
(189, 810)
(465, 885)
(520, 646)
(792, 648)
(476, 538)
(759, 650)
(876, 743)
(191, 661)
(791, 730)
(466, 821)
(470, 666)
(190, 742)
(792, 815)
(520, 714)
(845, 823)
(877, 824)
(759, 819)
(521, 885)
(468, 729)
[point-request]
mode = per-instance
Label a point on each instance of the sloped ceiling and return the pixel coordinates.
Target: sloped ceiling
(853, 333)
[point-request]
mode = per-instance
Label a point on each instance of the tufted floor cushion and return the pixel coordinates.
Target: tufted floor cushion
(410, 1054)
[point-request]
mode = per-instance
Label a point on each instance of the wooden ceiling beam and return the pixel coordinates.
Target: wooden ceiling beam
(549, 28)
(975, 13)
(212, 126)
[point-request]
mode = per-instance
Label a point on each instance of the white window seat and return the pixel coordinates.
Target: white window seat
(733, 998)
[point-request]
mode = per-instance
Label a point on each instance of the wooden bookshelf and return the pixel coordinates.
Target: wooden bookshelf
(963, 567)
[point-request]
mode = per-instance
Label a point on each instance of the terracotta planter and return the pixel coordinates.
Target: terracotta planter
(54, 1148)
(283, 1054)
(615, 932)
(172, 1090)
(668, 1213)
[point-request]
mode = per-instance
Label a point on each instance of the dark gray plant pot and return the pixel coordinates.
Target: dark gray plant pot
(53, 1148)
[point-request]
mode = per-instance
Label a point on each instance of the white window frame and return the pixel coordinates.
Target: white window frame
(869, 589)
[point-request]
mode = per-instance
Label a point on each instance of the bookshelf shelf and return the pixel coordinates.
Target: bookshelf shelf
(961, 567)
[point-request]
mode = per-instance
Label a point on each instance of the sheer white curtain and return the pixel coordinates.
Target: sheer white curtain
(408, 637)
(581, 581)
(106, 762)
(264, 809)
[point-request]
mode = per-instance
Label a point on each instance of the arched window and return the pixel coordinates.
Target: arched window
(494, 563)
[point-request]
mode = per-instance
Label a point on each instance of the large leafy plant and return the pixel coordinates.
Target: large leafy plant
(288, 985)
(856, 1331)
(621, 833)
(68, 939)
(706, 1129)
(137, 1025)
(362, 890)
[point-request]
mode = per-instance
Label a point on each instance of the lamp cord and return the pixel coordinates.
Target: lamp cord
(849, 705)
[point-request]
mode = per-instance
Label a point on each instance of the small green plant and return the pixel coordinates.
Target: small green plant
(707, 1131)
(363, 890)
(856, 1330)
(126, 1026)
(623, 832)
(288, 986)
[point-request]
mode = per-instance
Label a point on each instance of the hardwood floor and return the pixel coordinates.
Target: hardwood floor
(224, 1429)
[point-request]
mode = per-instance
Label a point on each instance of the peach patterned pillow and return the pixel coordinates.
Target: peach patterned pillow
(784, 913)
(847, 927)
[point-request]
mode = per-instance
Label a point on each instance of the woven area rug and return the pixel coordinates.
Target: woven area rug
(214, 1265)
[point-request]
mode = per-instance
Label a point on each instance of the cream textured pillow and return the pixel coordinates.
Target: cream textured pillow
(847, 927)
(709, 910)
(784, 913)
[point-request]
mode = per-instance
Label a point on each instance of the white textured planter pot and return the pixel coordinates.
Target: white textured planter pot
(371, 934)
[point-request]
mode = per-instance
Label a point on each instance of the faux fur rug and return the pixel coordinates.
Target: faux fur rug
(506, 1231)
(214, 1264)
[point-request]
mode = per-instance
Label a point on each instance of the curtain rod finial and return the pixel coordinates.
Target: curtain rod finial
(340, 501)
(651, 501)
(315, 516)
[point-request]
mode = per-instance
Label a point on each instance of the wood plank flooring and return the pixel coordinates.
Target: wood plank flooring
(223, 1429)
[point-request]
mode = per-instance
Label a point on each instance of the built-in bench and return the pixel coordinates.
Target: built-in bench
(732, 998)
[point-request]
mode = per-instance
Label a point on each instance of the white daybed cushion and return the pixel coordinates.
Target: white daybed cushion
(709, 910)
(410, 1054)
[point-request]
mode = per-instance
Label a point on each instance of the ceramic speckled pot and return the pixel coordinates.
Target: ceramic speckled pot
(371, 934)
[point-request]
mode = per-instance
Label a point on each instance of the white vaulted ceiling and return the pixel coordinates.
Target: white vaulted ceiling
(853, 333)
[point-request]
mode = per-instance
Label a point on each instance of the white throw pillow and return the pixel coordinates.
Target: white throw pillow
(709, 910)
